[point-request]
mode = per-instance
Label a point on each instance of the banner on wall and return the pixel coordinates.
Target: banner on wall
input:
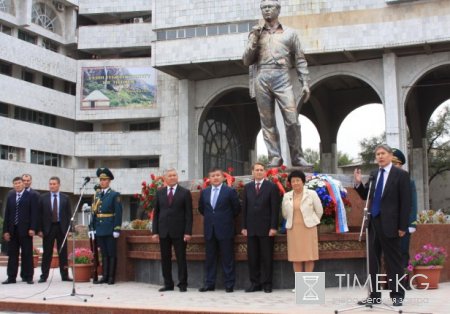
(111, 87)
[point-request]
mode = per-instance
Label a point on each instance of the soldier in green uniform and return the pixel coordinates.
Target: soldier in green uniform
(105, 224)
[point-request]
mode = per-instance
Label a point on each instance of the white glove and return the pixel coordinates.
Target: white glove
(91, 235)
(116, 234)
(411, 229)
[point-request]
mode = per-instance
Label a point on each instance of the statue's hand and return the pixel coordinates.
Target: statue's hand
(305, 93)
(256, 31)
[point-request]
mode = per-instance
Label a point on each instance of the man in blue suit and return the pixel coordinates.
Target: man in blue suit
(219, 205)
(19, 226)
(106, 223)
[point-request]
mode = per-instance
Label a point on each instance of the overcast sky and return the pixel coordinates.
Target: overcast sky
(364, 122)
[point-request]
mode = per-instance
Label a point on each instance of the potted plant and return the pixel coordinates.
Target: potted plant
(55, 259)
(427, 265)
(36, 253)
(81, 263)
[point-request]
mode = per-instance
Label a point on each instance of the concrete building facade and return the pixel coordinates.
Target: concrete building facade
(396, 53)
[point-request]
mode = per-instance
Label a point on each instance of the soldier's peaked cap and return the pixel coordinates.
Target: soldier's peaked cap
(104, 173)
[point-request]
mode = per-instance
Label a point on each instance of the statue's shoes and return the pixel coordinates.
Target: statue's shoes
(275, 162)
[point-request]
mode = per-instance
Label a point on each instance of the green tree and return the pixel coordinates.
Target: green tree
(438, 149)
(368, 146)
(344, 159)
(263, 159)
(312, 157)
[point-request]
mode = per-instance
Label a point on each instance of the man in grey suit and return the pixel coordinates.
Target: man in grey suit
(390, 197)
(55, 214)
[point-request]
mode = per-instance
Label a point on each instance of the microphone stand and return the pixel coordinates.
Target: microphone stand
(73, 293)
(365, 227)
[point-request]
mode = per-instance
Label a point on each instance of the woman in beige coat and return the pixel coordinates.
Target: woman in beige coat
(302, 210)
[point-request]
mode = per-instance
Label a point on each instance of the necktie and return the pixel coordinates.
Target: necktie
(102, 194)
(215, 195)
(55, 208)
(170, 196)
(16, 217)
(257, 188)
(377, 197)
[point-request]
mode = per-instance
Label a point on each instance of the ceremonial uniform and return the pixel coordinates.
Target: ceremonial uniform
(106, 222)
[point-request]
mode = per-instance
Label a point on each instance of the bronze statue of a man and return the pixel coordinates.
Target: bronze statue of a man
(272, 50)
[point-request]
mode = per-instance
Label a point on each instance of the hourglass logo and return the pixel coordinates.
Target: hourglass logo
(310, 288)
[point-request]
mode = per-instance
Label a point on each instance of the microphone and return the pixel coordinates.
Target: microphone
(86, 180)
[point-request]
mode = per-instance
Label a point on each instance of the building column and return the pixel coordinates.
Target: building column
(416, 167)
(393, 109)
(328, 161)
(186, 130)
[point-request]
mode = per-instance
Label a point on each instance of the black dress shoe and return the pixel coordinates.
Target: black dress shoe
(369, 301)
(267, 290)
(66, 279)
(8, 281)
(165, 289)
(41, 280)
(204, 289)
(183, 289)
(30, 282)
(397, 301)
(98, 282)
(253, 288)
(229, 290)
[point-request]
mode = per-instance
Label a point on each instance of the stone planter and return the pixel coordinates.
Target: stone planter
(429, 276)
(326, 228)
(81, 272)
(55, 261)
(35, 260)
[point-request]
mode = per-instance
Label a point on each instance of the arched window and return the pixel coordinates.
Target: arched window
(45, 17)
(221, 146)
(7, 6)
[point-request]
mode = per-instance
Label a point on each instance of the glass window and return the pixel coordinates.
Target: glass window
(181, 33)
(6, 68)
(171, 34)
(5, 29)
(45, 158)
(145, 126)
(48, 81)
(200, 31)
(152, 162)
(212, 30)
(27, 37)
(161, 35)
(27, 76)
(70, 88)
(223, 29)
(243, 27)
(233, 28)
(50, 45)
(44, 16)
(4, 110)
(190, 32)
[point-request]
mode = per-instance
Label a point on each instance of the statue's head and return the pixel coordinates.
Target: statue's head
(270, 9)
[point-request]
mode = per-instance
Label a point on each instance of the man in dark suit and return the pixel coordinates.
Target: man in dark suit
(390, 197)
(172, 225)
(219, 205)
(55, 214)
(106, 223)
(260, 206)
(19, 226)
(27, 181)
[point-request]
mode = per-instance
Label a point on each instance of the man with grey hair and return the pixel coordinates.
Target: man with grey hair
(272, 50)
(390, 196)
(172, 225)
